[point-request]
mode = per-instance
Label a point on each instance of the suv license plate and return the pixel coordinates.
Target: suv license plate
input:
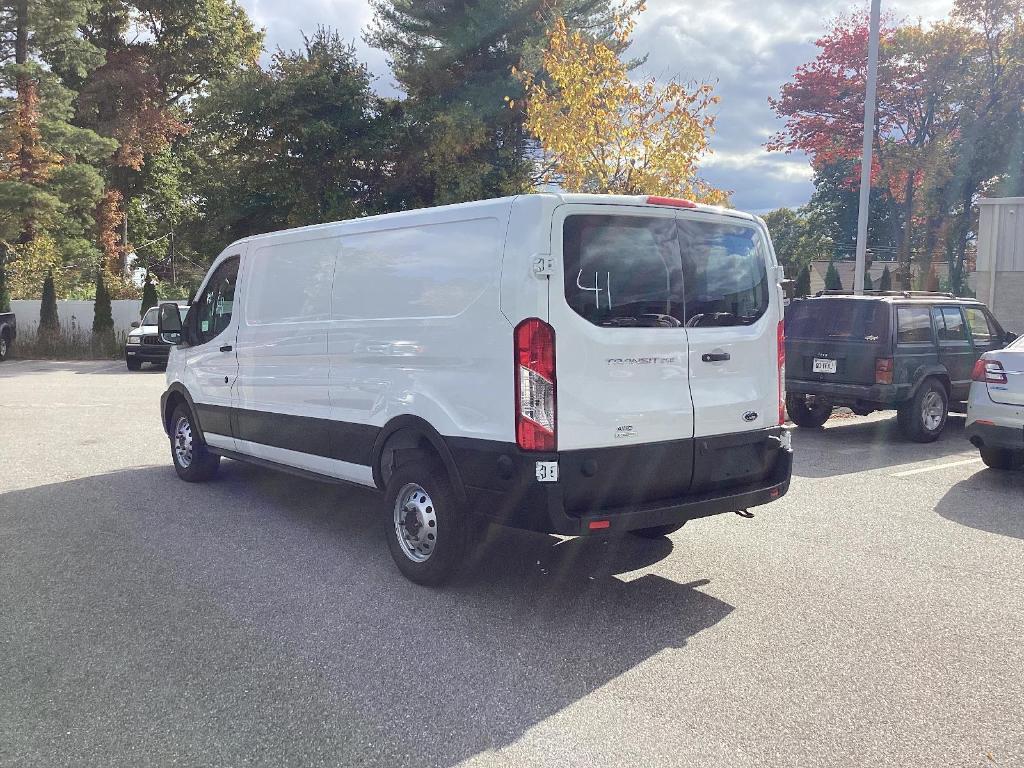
(821, 365)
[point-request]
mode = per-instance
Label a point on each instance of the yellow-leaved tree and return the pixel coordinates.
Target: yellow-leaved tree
(601, 132)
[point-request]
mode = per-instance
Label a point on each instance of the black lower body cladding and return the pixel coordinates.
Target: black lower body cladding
(620, 488)
(629, 487)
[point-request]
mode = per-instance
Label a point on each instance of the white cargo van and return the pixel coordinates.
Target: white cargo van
(574, 364)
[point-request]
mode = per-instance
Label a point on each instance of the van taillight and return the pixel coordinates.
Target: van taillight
(883, 370)
(781, 335)
(535, 385)
(989, 371)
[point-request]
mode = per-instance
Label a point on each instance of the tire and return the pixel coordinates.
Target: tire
(923, 417)
(806, 414)
(426, 527)
(134, 365)
(1002, 458)
(657, 531)
(192, 461)
(5, 346)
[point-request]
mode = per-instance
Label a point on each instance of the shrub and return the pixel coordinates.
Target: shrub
(5, 294)
(885, 281)
(73, 343)
(803, 282)
(869, 284)
(149, 297)
(48, 320)
(832, 280)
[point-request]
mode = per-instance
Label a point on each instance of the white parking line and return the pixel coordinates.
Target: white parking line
(934, 467)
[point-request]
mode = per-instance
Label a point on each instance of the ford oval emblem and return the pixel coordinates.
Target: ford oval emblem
(750, 416)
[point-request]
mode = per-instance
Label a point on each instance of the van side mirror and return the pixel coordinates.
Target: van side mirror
(135, 323)
(1009, 336)
(169, 324)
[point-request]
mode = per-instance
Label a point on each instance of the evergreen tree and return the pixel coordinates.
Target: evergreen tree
(5, 294)
(869, 284)
(885, 281)
(48, 321)
(102, 317)
(465, 110)
(803, 282)
(832, 280)
(149, 297)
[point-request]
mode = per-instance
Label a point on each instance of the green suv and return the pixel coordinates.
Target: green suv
(912, 351)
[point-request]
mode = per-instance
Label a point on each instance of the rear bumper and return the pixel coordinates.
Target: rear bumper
(984, 435)
(847, 394)
(500, 484)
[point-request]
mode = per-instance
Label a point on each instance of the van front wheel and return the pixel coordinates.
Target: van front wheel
(657, 531)
(425, 524)
(192, 461)
(808, 411)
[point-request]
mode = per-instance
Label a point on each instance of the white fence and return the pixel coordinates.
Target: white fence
(78, 313)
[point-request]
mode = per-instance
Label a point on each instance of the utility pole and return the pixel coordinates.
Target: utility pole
(869, 134)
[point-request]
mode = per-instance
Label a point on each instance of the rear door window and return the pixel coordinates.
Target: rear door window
(949, 324)
(724, 274)
(913, 325)
(623, 271)
(640, 271)
(845, 319)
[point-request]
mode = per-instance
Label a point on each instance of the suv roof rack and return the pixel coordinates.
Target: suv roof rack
(903, 294)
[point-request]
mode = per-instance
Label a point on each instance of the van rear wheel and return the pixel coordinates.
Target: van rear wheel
(808, 411)
(657, 531)
(425, 524)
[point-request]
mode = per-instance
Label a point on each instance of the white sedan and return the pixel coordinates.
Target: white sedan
(995, 409)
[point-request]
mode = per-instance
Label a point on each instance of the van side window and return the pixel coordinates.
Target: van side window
(949, 324)
(215, 305)
(724, 274)
(914, 325)
(978, 324)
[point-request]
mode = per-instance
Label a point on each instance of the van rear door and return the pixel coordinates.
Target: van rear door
(621, 346)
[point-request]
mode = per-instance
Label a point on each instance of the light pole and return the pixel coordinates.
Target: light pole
(865, 165)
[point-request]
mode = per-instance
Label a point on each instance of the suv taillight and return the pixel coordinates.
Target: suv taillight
(883, 370)
(781, 336)
(535, 385)
(988, 371)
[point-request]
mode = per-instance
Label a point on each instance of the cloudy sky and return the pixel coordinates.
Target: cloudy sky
(749, 48)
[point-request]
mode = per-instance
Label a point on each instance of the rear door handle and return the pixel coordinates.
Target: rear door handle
(226, 348)
(715, 357)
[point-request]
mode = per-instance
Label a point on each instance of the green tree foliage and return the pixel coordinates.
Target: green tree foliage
(798, 235)
(48, 176)
(48, 320)
(868, 283)
(302, 142)
(102, 315)
(149, 297)
(832, 280)
(885, 281)
(803, 282)
(464, 137)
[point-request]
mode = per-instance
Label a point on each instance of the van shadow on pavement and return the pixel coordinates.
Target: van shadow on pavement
(989, 500)
(858, 444)
(259, 619)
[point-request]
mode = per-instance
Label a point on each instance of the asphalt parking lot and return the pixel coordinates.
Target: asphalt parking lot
(874, 616)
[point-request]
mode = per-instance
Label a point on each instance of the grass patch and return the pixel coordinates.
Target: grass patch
(68, 344)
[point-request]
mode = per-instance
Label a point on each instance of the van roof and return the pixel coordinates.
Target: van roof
(555, 197)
